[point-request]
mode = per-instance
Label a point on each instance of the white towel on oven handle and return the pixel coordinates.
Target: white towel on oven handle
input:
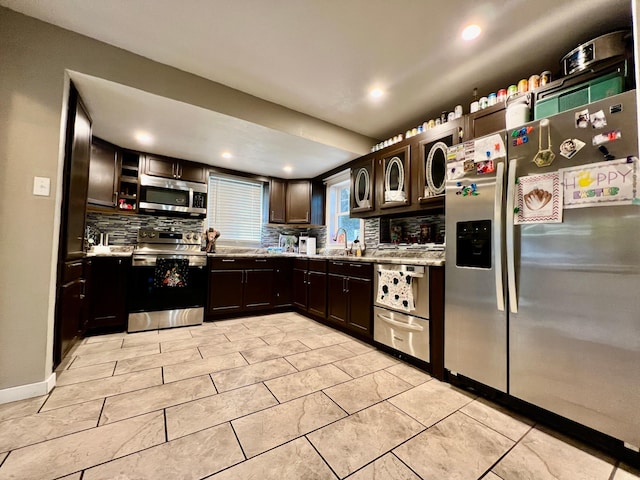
(395, 290)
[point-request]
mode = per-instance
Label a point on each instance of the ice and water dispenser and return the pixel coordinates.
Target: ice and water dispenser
(473, 244)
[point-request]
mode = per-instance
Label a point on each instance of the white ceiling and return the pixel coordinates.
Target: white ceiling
(318, 57)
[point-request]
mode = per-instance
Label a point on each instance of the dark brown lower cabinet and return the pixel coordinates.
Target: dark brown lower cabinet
(350, 296)
(338, 307)
(310, 286)
(71, 309)
(107, 293)
(299, 286)
(258, 288)
(282, 282)
(436, 323)
(238, 285)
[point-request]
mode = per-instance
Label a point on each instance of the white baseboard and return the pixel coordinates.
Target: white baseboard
(28, 391)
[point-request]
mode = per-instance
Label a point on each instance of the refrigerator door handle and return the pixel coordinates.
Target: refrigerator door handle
(511, 269)
(497, 236)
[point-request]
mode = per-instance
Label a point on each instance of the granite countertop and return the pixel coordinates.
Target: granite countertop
(434, 259)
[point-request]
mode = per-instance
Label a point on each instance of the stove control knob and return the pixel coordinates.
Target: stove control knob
(188, 236)
(152, 234)
(143, 234)
(196, 237)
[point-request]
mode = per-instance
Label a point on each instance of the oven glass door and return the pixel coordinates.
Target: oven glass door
(145, 296)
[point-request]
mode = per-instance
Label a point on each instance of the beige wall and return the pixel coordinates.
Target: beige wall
(33, 59)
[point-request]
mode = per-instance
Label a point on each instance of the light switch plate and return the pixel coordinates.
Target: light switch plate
(41, 186)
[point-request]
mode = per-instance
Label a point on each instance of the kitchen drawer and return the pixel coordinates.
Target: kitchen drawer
(317, 265)
(351, 269)
(239, 263)
(72, 271)
(300, 263)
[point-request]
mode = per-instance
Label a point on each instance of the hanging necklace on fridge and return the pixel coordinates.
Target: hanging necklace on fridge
(545, 156)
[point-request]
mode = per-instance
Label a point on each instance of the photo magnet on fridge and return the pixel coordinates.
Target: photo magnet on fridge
(582, 118)
(570, 147)
(606, 137)
(598, 119)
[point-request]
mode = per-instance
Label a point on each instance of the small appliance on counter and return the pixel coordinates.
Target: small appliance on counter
(307, 246)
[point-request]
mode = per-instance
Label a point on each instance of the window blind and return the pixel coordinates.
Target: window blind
(235, 209)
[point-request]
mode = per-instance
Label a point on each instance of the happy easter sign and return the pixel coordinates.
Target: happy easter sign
(604, 183)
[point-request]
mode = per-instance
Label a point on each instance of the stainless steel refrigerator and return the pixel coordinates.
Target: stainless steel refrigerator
(542, 296)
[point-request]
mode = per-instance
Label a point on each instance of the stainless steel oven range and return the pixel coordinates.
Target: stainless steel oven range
(169, 281)
(401, 308)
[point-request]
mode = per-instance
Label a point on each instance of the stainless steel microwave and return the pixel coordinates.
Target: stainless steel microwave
(166, 195)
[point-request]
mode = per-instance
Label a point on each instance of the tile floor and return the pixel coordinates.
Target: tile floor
(270, 397)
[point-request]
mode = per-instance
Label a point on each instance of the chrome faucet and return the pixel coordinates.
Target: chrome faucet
(335, 239)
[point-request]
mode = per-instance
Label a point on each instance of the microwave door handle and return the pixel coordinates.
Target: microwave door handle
(402, 325)
(511, 269)
(497, 236)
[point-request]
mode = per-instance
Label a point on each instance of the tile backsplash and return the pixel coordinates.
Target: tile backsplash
(271, 234)
(379, 229)
(123, 229)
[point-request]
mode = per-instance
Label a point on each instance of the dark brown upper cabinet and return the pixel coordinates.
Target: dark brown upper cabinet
(174, 168)
(393, 184)
(363, 186)
(277, 200)
(432, 171)
(486, 121)
(103, 174)
(298, 201)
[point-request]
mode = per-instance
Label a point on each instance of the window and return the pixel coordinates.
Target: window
(235, 209)
(338, 194)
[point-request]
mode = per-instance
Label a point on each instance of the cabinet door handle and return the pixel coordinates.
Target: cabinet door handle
(258, 260)
(338, 264)
(346, 281)
(229, 260)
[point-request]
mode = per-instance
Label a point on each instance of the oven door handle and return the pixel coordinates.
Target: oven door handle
(402, 325)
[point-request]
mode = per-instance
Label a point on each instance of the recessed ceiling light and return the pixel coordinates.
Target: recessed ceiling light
(470, 32)
(288, 169)
(144, 138)
(376, 93)
(226, 155)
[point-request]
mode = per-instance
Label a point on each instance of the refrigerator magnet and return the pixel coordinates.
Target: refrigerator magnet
(486, 166)
(467, 190)
(539, 199)
(599, 184)
(582, 118)
(606, 137)
(469, 166)
(570, 147)
(455, 170)
(598, 119)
